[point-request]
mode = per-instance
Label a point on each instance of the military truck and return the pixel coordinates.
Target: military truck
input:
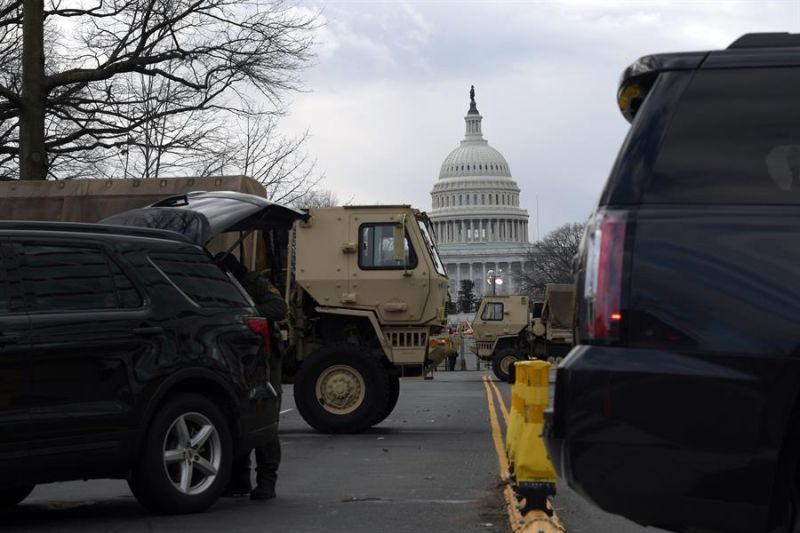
(365, 286)
(511, 328)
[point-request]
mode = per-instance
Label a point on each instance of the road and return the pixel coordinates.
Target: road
(431, 466)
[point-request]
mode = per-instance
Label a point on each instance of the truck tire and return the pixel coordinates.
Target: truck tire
(393, 382)
(11, 496)
(340, 389)
(502, 361)
(185, 461)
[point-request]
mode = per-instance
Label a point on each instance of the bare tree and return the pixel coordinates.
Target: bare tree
(319, 198)
(257, 149)
(552, 259)
(63, 101)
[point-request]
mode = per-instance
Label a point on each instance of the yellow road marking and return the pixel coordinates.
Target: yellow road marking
(500, 401)
(534, 521)
(514, 516)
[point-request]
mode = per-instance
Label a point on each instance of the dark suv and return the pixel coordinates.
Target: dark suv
(125, 353)
(678, 407)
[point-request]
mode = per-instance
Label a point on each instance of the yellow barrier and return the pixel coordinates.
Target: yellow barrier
(533, 473)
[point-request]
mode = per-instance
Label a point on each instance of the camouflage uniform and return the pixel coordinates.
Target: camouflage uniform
(271, 305)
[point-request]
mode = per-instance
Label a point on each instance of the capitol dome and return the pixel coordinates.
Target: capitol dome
(476, 215)
(474, 159)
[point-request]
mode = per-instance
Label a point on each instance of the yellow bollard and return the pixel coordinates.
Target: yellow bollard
(516, 417)
(534, 473)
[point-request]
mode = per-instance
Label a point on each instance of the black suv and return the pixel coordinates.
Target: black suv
(678, 407)
(125, 353)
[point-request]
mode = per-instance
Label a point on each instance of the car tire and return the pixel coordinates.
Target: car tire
(393, 382)
(185, 461)
(11, 496)
(340, 389)
(502, 361)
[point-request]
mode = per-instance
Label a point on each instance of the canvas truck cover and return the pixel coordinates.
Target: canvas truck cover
(558, 304)
(90, 200)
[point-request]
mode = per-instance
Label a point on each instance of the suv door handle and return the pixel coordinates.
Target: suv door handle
(151, 330)
(8, 339)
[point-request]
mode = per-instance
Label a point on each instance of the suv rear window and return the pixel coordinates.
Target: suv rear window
(732, 139)
(200, 279)
(67, 278)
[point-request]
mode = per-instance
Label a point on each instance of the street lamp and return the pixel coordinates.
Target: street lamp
(494, 280)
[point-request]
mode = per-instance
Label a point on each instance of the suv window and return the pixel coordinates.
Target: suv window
(5, 296)
(733, 139)
(67, 278)
(492, 311)
(200, 279)
(376, 248)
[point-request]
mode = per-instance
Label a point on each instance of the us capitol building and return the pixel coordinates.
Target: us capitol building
(476, 215)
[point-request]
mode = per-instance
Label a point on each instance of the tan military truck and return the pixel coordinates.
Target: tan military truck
(365, 286)
(505, 329)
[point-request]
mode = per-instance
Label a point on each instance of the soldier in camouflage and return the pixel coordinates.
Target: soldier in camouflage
(272, 306)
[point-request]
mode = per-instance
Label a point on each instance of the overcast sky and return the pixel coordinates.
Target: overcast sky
(386, 97)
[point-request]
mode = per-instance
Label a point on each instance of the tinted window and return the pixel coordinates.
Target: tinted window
(376, 248)
(492, 311)
(4, 289)
(200, 279)
(67, 278)
(733, 139)
(127, 294)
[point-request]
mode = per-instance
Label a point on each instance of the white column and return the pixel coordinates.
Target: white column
(480, 230)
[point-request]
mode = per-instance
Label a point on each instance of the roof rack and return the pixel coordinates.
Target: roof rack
(766, 40)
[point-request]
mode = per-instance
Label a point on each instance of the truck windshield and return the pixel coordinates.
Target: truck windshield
(426, 235)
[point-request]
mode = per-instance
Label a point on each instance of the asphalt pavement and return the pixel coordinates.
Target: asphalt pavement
(431, 466)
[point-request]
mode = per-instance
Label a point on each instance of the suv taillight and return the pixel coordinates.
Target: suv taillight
(259, 325)
(602, 289)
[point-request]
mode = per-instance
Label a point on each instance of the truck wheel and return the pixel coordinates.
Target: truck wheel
(185, 461)
(339, 389)
(13, 495)
(501, 363)
(393, 383)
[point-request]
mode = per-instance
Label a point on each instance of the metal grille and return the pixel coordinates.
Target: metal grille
(484, 347)
(407, 339)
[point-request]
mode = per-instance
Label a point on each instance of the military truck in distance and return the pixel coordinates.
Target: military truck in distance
(365, 286)
(505, 329)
